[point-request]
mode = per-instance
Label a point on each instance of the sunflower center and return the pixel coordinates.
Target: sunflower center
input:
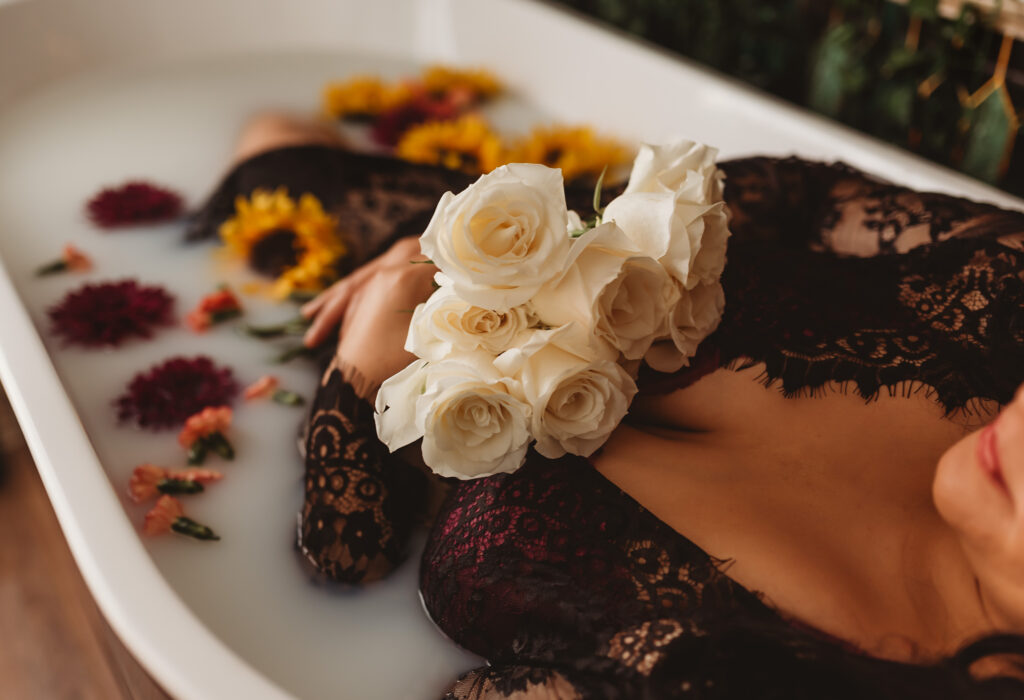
(277, 251)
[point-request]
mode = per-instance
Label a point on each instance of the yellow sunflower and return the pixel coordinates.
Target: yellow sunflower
(363, 96)
(574, 149)
(296, 242)
(442, 79)
(465, 144)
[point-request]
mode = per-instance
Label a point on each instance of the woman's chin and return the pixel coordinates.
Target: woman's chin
(971, 496)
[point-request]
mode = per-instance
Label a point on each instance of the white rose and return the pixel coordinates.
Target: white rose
(673, 211)
(503, 237)
(616, 300)
(575, 404)
(694, 318)
(573, 223)
(446, 323)
(395, 414)
(472, 423)
(688, 239)
(684, 167)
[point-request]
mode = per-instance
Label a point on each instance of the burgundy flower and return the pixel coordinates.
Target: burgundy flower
(134, 203)
(166, 394)
(389, 126)
(109, 312)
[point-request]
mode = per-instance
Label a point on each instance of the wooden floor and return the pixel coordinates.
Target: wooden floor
(54, 643)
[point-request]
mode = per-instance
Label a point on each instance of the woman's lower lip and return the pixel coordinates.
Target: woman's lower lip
(988, 455)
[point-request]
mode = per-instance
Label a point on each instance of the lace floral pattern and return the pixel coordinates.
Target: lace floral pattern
(360, 505)
(939, 305)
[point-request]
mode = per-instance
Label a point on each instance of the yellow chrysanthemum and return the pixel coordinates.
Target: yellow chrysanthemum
(466, 144)
(363, 96)
(574, 149)
(316, 243)
(439, 79)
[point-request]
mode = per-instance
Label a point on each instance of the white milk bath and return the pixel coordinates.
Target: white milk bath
(175, 125)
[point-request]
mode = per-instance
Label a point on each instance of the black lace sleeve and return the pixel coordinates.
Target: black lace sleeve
(834, 276)
(794, 203)
(361, 503)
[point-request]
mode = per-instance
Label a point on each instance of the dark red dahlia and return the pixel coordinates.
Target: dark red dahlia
(166, 394)
(388, 128)
(110, 312)
(134, 203)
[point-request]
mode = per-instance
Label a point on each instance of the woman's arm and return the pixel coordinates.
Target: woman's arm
(361, 502)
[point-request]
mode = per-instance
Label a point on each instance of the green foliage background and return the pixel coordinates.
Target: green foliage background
(898, 71)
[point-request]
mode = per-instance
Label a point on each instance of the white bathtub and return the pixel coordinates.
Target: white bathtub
(197, 639)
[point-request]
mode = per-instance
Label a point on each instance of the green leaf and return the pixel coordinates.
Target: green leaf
(291, 353)
(190, 528)
(598, 209)
(219, 444)
(178, 486)
(301, 296)
(197, 452)
(225, 315)
(989, 140)
(51, 268)
(287, 398)
(925, 9)
(836, 59)
(294, 326)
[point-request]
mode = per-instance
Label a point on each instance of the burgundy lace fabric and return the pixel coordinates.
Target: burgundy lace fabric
(562, 581)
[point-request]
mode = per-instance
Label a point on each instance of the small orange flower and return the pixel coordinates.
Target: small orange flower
(163, 516)
(213, 419)
(213, 308)
(202, 476)
(149, 481)
(168, 514)
(262, 387)
(75, 259)
(198, 321)
(143, 485)
(71, 258)
(221, 300)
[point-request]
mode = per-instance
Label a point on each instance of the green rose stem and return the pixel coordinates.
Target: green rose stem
(178, 486)
(190, 528)
(598, 209)
(197, 452)
(287, 398)
(219, 444)
(295, 326)
(224, 315)
(293, 352)
(52, 268)
(215, 442)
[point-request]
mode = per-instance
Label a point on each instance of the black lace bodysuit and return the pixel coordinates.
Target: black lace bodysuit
(562, 581)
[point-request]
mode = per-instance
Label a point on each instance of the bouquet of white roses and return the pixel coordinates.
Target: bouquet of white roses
(540, 323)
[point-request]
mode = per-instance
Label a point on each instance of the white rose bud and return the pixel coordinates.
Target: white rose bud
(688, 239)
(616, 300)
(503, 237)
(445, 323)
(683, 167)
(694, 318)
(576, 404)
(673, 211)
(573, 223)
(472, 423)
(395, 415)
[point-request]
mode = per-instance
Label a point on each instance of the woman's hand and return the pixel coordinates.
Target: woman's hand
(374, 306)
